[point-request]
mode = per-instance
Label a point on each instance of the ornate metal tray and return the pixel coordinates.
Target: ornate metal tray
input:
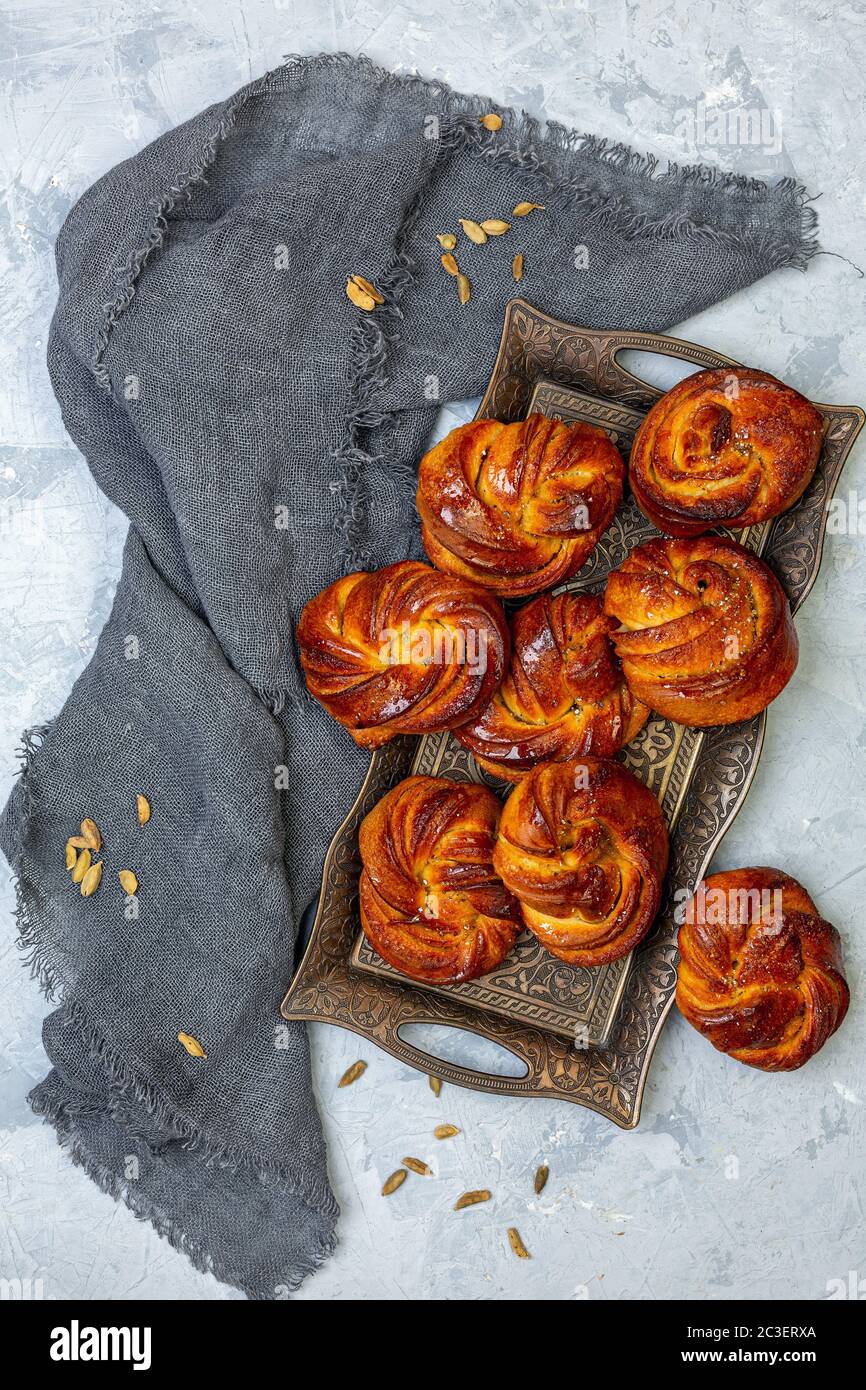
(584, 1035)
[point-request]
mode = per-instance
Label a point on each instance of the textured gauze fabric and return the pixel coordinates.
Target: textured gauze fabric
(261, 434)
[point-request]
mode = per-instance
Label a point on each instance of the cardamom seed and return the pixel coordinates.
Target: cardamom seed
(354, 1071)
(491, 121)
(90, 882)
(82, 864)
(517, 1245)
(523, 209)
(369, 288)
(471, 1199)
(541, 1176)
(359, 297)
(473, 230)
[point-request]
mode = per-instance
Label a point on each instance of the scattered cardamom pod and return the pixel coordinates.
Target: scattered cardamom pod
(471, 1199)
(450, 264)
(473, 230)
(517, 1245)
(369, 288)
(541, 1176)
(491, 121)
(352, 1073)
(445, 1131)
(192, 1045)
(447, 240)
(90, 834)
(494, 226)
(128, 881)
(464, 289)
(396, 1180)
(418, 1167)
(523, 209)
(435, 1085)
(90, 882)
(82, 864)
(142, 806)
(359, 298)
(71, 854)
(517, 266)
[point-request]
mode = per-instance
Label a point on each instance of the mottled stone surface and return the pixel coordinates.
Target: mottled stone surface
(736, 1184)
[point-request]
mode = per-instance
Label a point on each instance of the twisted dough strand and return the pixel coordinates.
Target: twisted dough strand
(518, 507)
(431, 904)
(583, 846)
(726, 447)
(405, 650)
(705, 635)
(564, 694)
(760, 972)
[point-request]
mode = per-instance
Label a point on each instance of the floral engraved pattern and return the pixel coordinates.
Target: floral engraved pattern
(585, 1036)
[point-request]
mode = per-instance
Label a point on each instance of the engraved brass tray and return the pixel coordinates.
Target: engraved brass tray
(584, 1035)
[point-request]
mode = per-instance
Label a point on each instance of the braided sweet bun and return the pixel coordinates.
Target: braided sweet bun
(518, 507)
(728, 447)
(705, 635)
(760, 972)
(404, 650)
(583, 847)
(564, 694)
(431, 904)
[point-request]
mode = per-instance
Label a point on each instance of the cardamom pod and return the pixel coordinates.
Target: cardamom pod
(128, 881)
(71, 854)
(471, 1199)
(517, 266)
(494, 226)
(517, 1245)
(473, 230)
(396, 1180)
(447, 240)
(450, 264)
(142, 806)
(491, 121)
(369, 288)
(359, 297)
(82, 864)
(354, 1071)
(464, 289)
(90, 834)
(445, 1131)
(523, 209)
(192, 1045)
(541, 1176)
(435, 1085)
(418, 1167)
(90, 882)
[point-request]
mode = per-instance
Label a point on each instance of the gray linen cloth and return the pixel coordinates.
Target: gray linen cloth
(261, 435)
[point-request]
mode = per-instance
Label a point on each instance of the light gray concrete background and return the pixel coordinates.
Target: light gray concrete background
(736, 1184)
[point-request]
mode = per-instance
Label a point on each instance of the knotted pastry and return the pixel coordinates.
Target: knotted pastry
(583, 847)
(431, 904)
(518, 507)
(727, 447)
(564, 694)
(760, 972)
(706, 635)
(404, 650)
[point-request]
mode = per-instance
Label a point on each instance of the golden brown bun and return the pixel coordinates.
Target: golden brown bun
(564, 694)
(583, 846)
(727, 447)
(405, 650)
(706, 635)
(760, 972)
(431, 904)
(518, 507)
